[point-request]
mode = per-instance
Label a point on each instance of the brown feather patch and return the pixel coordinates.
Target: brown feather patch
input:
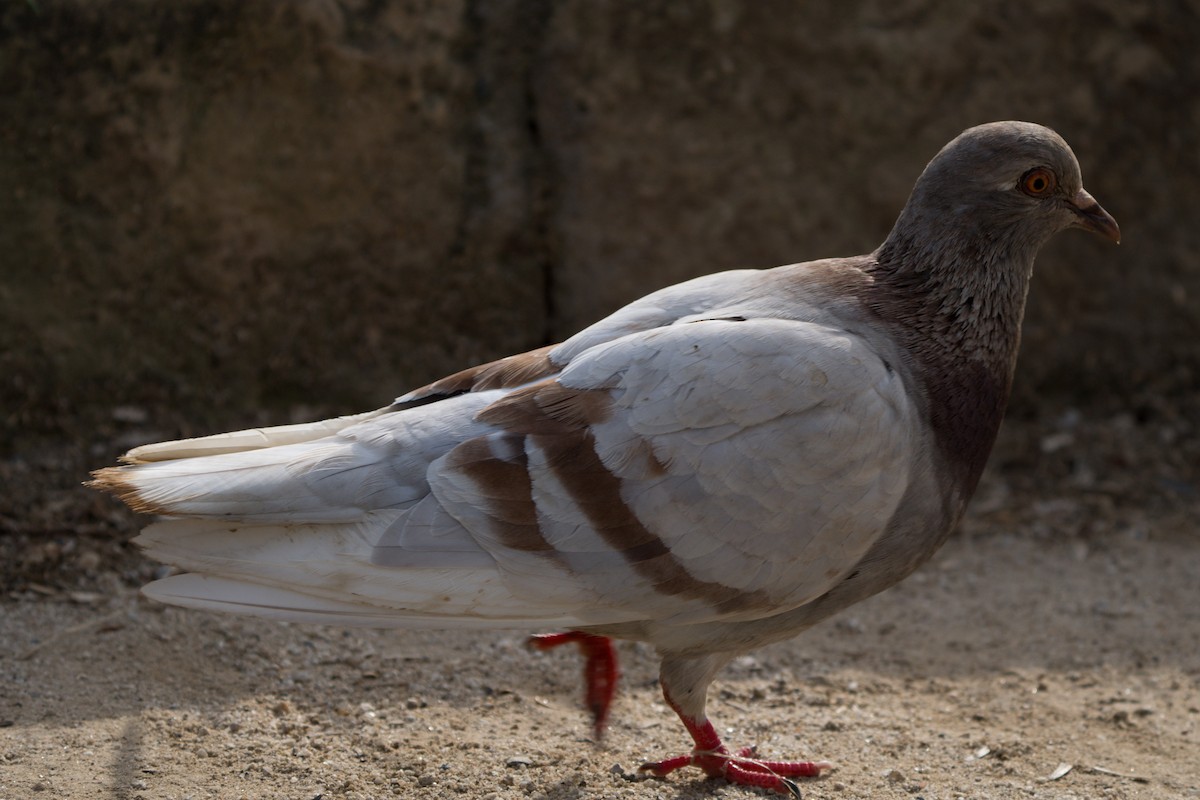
(115, 481)
(547, 408)
(597, 492)
(500, 374)
(558, 418)
(508, 489)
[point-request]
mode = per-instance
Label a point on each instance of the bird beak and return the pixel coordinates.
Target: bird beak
(1092, 217)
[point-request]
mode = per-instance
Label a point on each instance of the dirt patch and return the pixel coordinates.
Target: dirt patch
(1003, 659)
(1059, 628)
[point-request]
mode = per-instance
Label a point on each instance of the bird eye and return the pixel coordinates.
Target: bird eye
(1038, 182)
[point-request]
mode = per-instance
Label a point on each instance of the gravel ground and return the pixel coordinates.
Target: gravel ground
(1059, 630)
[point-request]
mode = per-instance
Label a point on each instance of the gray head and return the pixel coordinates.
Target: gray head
(953, 274)
(1011, 185)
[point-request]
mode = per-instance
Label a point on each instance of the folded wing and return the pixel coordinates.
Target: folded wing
(717, 469)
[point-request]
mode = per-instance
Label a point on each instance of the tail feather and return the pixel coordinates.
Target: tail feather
(320, 471)
(333, 522)
(302, 572)
(318, 481)
(241, 441)
(234, 596)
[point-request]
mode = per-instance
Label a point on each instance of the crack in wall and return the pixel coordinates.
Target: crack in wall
(510, 196)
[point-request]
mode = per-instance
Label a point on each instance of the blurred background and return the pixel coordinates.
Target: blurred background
(218, 213)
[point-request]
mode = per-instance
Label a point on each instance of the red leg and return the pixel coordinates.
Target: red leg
(599, 670)
(711, 755)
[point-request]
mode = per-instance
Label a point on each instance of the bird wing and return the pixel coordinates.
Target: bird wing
(717, 469)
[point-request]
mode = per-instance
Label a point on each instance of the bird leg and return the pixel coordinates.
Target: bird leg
(599, 670)
(711, 755)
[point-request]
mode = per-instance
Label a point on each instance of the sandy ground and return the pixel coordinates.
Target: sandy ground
(1060, 628)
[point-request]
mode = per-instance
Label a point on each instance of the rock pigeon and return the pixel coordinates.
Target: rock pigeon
(716, 466)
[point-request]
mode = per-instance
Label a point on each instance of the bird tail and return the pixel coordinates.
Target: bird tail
(314, 523)
(241, 441)
(297, 473)
(325, 574)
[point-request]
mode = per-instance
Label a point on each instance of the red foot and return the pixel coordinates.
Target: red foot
(711, 755)
(599, 670)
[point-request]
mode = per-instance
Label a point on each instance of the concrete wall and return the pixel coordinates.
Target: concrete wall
(215, 211)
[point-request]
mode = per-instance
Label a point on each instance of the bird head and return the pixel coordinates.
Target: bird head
(1009, 179)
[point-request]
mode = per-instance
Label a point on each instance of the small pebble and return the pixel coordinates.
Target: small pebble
(89, 561)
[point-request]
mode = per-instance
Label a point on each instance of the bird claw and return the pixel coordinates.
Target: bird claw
(742, 768)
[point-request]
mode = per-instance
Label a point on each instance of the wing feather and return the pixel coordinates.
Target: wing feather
(718, 469)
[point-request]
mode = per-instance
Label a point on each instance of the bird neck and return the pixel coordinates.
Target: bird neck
(961, 291)
(956, 299)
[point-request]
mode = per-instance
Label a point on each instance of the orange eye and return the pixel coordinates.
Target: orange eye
(1038, 182)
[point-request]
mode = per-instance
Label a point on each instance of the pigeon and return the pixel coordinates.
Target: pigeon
(714, 467)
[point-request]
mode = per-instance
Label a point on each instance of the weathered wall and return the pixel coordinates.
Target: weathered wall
(210, 208)
(753, 134)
